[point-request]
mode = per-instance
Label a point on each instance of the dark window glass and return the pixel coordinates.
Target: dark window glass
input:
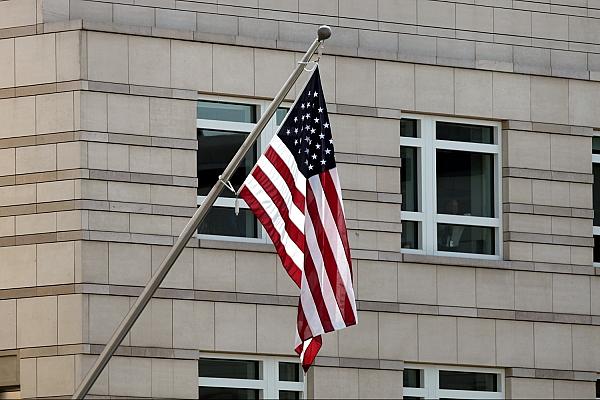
(280, 115)
(466, 239)
(464, 132)
(223, 221)
(410, 235)
(215, 151)
(596, 248)
(215, 393)
(465, 183)
(598, 389)
(233, 369)
(413, 378)
(227, 111)
(458, 380)
(412, 398)
(289, 395)
(408, 127)
(596, 145)
(289, 372)
(409, 176)
(596, 196)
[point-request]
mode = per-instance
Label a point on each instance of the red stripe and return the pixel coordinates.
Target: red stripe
(268, 186)
(284, 171)
(315, 289)
(311, 352)
(335, 205)
(292, 269)
(329, 261)
(302, 323)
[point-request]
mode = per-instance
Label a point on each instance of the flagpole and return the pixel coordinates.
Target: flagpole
(323, 33)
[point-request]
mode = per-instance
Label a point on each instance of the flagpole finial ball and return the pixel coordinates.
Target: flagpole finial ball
(324, 32)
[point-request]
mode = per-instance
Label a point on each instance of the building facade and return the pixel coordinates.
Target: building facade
(466, 143)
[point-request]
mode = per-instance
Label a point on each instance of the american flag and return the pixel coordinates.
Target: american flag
(294, 191)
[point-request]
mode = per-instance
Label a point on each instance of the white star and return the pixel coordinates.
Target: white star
(330, 140)
(320, 109)
(296, 130)
(321, 136)
(303, 118)
(306, 162)
(326, 124)
(313, 130)
(295, 119)
(307, 127)
(307, 105)
(288, 132)
(318, 146)
(315, 94)
(302, 106)
(314, 156)
(306, 151)
(327, 151)
(309, 92)
(310, 167)
(296, 142)
(317, 120)
(307, 115)
(322, 162)
(306, 138)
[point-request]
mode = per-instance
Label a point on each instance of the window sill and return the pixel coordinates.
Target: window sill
(458, 261)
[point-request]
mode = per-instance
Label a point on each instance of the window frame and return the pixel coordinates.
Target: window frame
(427, 145)
(595, 229)
(268, 383)
(431, 373)
(263, 140)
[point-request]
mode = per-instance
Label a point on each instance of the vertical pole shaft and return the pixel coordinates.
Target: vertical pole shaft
(192, 225)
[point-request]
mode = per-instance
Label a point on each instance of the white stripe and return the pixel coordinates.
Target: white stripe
(289, 160)
(296, 216)
(329, 224)
(326, 289)
(310, 308)
(270, 208)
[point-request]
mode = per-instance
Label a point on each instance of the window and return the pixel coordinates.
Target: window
(431, 382)
(451, 187)
(222, 127)
(598, 389)
(239, 377)
(596, 197)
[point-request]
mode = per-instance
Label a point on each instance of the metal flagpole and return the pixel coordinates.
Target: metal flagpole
(323, 33)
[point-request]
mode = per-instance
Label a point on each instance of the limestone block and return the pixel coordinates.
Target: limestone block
(474, 18)
(358, 9)
(17, 13)
(456, 286)
(388, 179)
(106, 313)
(18, 265)
(91, 262)
(473, 92)
(595, 283)
(362, 92)
(398, 337)
(185, 379)
(432, 13)
(55, 191)
(90, 11)
(574, 389)
(549, 99)
(512, 22)
(37, 321)
(107, 57)
(72, 319)
(214, 270)
(319, 7)
(495, 288)
(233, 70)
(551, 253)
(571, 294)
(175, 19)
(130, 377)
(552, 346)
(514, 343)
(525, 388)
(362, 340)
(187, 56)
(552, 193)
(570, 153)
(154, 327)
(519, 190)
(333, 383)
(173, 118)
(351, 137)
(55, 376)
(583, 102)
(94, 113)
(271, 69)
(275, 329)
(181, 274)
(68, 63)
(580, 195)
(108, 221)
(533, 291)
(117, 157)
(173, 196)
(358, 177)
(394, 84)
(437, 339)
(71, 155)
(528, 150)
(476, 341)
(133, 15)
(128, 264)
(128, 114)
(417, 283)
(150, 160)
(255, 272)
(184, 163)
(193, 325)
(377, 281)
(36, 158)
(586, 348)
(285, 284)
(8, 329)
(19, 194)
(583, 29)
(379, 384)
(394, 11)
(71, 220)
(511, 96)
(35, 59)
(529, 223)
(7, 226)
(129, 192)
(28, 377)
(35, 223)
(18, 117)
(235, 327)
(83, 363)
(149, 61)
(7, 63)
(7, 162)
(55, 263)
(434, 88)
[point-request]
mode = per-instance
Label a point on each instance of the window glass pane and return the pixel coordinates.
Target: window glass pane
(413, 378)
(289, 372)
(289, 395)
(222, 221)
(465, 183)
(596, 145)
(409, 178)
(598, 389)
(410, 235)
(466, 239)
(223, 368)
(215, 151)
(596, 196)
(215, 393)
(596, 248)
(464, 132)
(227, 111)
(411, 397)
(458, 380)
(408, 127)
(280, 115)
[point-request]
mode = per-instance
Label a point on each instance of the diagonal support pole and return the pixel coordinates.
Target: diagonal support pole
(323, 33)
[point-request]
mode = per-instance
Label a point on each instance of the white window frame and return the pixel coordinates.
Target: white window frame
(596, 229)
(268, 381)
(263, 140)
(427, 146)
(431, 383)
